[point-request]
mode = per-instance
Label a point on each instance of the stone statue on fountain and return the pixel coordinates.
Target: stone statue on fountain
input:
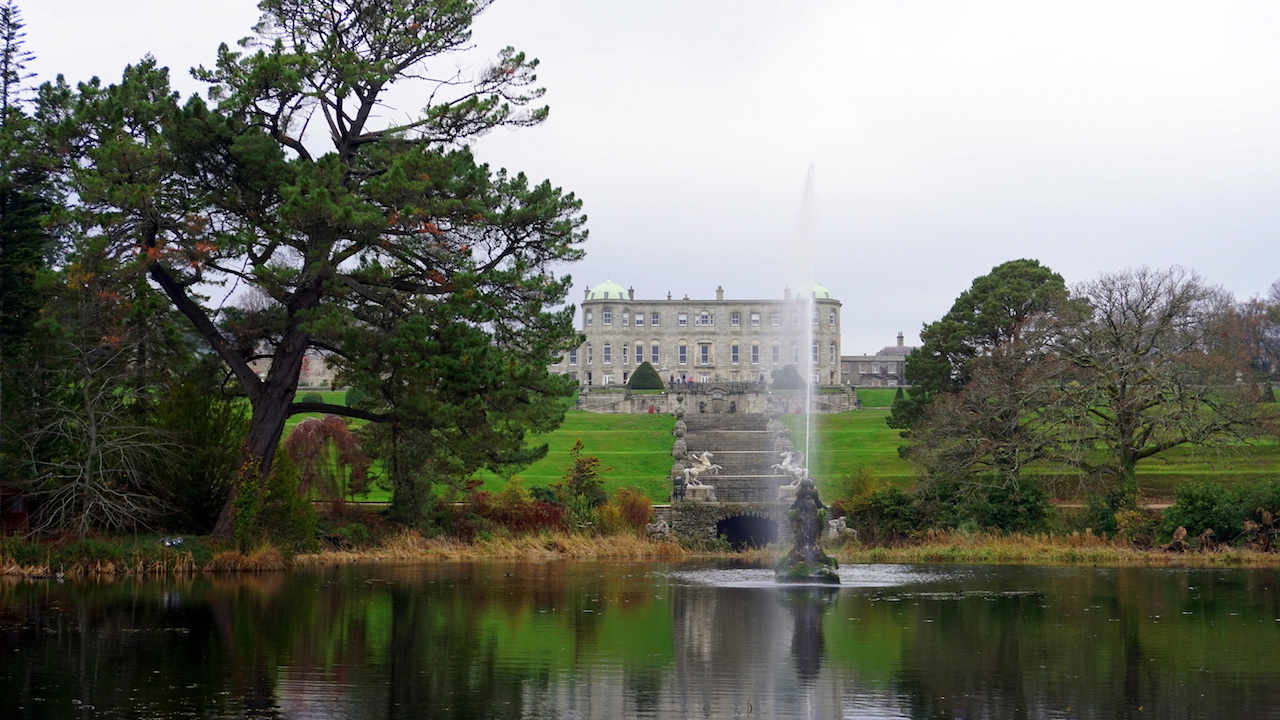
(807, 563)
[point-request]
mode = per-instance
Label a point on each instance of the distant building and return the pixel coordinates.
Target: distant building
(884, 369)
(705, 341)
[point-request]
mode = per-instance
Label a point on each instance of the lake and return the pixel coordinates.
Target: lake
(621, 639)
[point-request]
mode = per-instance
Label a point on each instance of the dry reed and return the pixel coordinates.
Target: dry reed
(1074, 549)
(410, 545)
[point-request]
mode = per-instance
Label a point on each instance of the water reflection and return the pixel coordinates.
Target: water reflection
(623, 640)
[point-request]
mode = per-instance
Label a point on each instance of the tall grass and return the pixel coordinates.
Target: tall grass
(1073, 549)
(411, 545)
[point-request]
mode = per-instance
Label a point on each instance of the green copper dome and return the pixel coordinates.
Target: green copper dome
(817, 290)
(607, 290)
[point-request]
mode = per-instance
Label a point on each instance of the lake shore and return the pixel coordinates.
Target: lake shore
(148, 556)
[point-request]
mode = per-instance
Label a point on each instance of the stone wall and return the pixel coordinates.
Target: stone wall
(712, 398)
(698, 520)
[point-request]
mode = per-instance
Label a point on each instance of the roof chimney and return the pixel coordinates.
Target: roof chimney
(899, 339)
(631, 293)
(586, 293)
(719, 292)
(786, 293)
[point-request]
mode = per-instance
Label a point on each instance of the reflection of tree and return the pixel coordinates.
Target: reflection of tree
(471, 641)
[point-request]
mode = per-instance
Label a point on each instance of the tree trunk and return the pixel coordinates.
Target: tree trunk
(271, 409)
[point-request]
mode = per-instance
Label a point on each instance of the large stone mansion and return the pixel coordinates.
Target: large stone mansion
(705, 341)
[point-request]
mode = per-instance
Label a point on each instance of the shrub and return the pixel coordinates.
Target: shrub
(645, 378)
(354, 397)
(209, 428)
(515, 510)
(629, 511)
(312, 397)
(852, 488)
(1099, 515)
(887, 515)
(273, 511)
(352, 535)
(582, 489)
(1206, 505)
(1011, 507)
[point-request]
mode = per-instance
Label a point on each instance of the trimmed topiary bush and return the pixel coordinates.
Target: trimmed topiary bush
(645, 378)
(788, 378)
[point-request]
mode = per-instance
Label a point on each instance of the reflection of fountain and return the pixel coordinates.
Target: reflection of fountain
(808, 607)
(807, 562)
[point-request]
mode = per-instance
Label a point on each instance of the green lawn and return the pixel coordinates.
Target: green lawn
(635, 451)
(848, 440)
(876, 397)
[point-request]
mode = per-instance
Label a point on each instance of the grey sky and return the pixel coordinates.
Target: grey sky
(946, 136)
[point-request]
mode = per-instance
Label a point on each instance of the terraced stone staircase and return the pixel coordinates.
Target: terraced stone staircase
(743, 446)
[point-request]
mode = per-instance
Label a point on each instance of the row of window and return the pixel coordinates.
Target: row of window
(891, 368)
(704, 354)
(702, 319)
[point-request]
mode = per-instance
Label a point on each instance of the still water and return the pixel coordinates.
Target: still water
(645, 640)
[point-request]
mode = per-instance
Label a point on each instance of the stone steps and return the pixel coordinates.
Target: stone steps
(744, 448)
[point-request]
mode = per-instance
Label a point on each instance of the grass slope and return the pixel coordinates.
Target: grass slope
(635, 451)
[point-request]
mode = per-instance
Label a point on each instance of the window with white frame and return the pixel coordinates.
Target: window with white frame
(606, 316)
(815, 316)
(733, 354)
(589, 354)
(775, 319)
(639, 319)
(832, 353)
(795, 354)
(573, 357)
(682, 354)
(755, 353)
(704, 353)
(682, 319)
(653, 318)
(735, 319)
(755, 319)
(608, 378)
(776, 354)
(875, 368)
(588, 317)
(704, 319)
(654, 354)
(831, 318)
(607, 353)
(814, 355)
(626, 318)
(625, 354)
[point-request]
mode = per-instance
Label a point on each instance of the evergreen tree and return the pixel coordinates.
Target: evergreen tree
(425, 275)
(990, 313)
(13, 57)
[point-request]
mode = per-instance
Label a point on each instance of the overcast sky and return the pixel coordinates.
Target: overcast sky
(945, 137)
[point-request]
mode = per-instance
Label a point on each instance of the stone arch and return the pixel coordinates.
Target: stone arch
(748, 530)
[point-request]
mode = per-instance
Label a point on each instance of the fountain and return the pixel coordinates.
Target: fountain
(807, 563)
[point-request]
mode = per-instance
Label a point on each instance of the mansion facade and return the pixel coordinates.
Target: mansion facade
(705, 341)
